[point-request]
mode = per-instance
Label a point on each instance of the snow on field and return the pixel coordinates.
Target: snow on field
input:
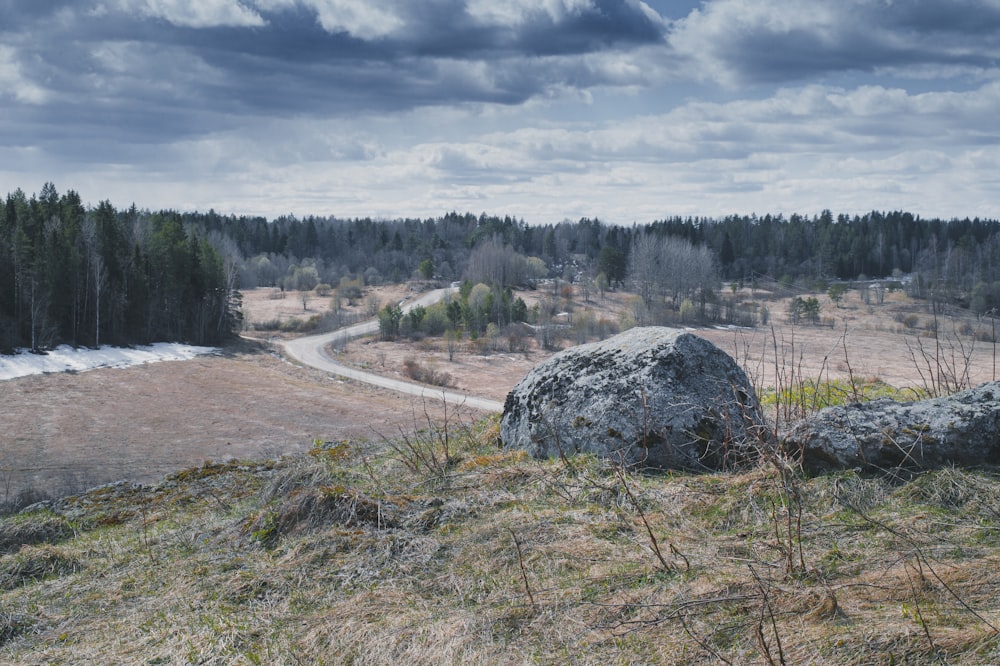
(68, 359)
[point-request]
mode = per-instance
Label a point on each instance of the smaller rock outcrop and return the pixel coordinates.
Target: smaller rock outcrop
(656, 396)
(963, 428)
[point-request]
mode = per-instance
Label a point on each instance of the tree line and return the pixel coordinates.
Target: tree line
(949, 256)
(83, 276)
(92, 275)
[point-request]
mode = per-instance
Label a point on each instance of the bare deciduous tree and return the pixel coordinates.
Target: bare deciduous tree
(667, 269)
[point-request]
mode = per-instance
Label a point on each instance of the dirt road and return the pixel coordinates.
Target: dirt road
(311, 351)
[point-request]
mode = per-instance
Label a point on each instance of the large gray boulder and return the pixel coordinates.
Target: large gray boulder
(655, 396)
(886, 435)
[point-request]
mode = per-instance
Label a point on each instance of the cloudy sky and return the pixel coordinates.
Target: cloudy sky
(542, 109)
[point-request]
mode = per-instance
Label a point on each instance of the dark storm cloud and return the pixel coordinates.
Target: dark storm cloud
(776, 40)
(292, 64)
(610, 23)
(957, 18)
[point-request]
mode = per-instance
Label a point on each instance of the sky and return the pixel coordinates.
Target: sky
(546, 110)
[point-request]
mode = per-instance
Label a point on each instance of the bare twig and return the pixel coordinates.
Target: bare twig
(761, 639)
(918, 551)
(699, 640)
(524, 572)
(654, 543)
(916, 605)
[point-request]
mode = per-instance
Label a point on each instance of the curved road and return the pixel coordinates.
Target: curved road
(311, 351)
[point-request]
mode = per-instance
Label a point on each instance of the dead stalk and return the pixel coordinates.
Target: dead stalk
(654, 543)
(916, 605)
(765, 648)
(524, 572)
(699, 640)
(919, 555)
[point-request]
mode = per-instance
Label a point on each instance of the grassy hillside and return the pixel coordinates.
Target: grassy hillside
(441, 548)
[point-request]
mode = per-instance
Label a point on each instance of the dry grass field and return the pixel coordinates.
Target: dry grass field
(890, 342)
(901, 342)
(437, 547)
(64, 433)
(426, 553)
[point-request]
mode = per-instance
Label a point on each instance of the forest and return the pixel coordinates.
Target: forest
(92, 275)
(88, 276)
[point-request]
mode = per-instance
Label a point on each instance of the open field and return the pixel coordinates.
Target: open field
(63, 433)
(270, 305)
(890, 342)
(66, 432)
(436, 549)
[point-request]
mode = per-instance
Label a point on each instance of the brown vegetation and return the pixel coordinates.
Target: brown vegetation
(853, 339)
(67, 432)
(446, 550)
(438, 547)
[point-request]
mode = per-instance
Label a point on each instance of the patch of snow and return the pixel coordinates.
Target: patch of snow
(68, 359)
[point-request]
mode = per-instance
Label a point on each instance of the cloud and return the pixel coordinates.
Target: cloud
(194, 13)
(367, 20)
(513, 13)
(799, 150)
(558, 26)
(155, 71)
(747, 41)
(550, 108)
(465, 28)
(13, 82)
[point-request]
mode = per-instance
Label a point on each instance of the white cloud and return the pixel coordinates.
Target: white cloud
(196, 13)
(707, 36)
(800, 150)
(14, 84)
(366, 19)
(513, 13)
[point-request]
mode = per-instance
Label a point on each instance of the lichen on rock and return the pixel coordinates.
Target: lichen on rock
(655, 396)
(883, 435)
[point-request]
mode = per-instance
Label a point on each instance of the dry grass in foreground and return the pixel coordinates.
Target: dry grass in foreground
(441, 548)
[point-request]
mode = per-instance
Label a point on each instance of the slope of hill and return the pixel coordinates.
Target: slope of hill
(441, 548)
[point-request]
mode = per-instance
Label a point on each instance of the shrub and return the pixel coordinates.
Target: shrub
(350, 290)
(425, 375)
(296, 325)
(15, 534)
(268, 325)
(436, 320)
